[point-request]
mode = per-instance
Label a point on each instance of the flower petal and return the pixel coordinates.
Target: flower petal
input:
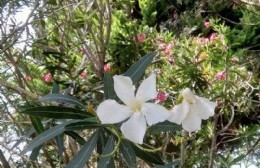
(110, 112)
(147, 89)
(134, 128)
(179, 112)
(188, 95)
(124, 88)
(154, 113)
(192, 122)
(203, 107)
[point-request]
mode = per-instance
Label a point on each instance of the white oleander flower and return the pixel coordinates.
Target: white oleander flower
(137, 112)
(191, 111)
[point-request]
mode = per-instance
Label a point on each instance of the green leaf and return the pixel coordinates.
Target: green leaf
(76, 137)
(57, 112)
(102, 140)
(104, 161)
(172, 164)
(136, 71)
(55, 87)
(109, 87)
(47, 135)
(164, 127)
(37, 124)
(56, 97)
(84, 154)
(147, 156)
(238, 159)
(89, 123)
(35, 153)
(128, 154)
(60, 145)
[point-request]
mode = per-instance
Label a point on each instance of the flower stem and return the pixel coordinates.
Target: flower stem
(183, 147)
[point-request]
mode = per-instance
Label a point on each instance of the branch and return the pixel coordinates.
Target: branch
(18, 90)
(3, 160)
(229, 122)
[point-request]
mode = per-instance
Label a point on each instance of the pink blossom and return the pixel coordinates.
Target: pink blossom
(161, 96)
(162, 46)
(107, 68)
(207, 24)
(159, 71)
(170, 60)
(170, 45)
(258, 96)
(140, 38)
(221, 75)
(83, 75)
(213, 37)
(202, 40)
(166, 51)
(47, 77)
(28, 78)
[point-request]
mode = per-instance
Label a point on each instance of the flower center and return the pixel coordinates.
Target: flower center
(188, 96)
(136, 106)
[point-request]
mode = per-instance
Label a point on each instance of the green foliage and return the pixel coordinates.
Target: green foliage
(69, 38)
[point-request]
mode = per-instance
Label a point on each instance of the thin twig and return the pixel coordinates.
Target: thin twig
(18, 90)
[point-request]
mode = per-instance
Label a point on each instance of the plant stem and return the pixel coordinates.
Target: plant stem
(183, 147)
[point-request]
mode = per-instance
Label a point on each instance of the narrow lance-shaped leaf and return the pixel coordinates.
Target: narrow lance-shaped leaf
(104, 161)
(128, 154)
(88, 123)
(37, 124)
(84, 154)
(147, 156)
(76, 137)
(136, 71)
(172, 164)
(35, 153)
(55, 88)
(60, 144)
(56, 97)
(47, 135)
(57, 112)
(164, 127)
(109, 87)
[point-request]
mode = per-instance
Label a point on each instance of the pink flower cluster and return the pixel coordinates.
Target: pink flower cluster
(166, 48)
(211, 38)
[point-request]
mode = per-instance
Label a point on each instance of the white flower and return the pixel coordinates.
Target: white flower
(191, 111)
(137, 112)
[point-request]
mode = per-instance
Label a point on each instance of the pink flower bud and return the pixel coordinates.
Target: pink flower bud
(170, 60)
(161, 96)
(28, 78)
(213, 37)
(83, 75)
(140, 38)
(47, 77)
(221, 75)
(207, 24)
(107, 68)
(166, 51)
